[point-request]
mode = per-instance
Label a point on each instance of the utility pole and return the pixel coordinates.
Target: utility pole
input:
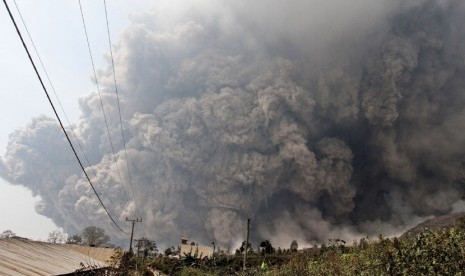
(246, 243)
(132, 230)
(138, 246)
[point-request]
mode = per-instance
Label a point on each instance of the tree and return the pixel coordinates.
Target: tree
(147, 247)
(56, 236)
(294, 246)
(94, 236)
(267, 247)
(7, 234)
(169, 251)
(242, 248)
(74, 239)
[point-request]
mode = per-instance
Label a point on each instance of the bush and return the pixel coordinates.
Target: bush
(440, 252)
(429, 253)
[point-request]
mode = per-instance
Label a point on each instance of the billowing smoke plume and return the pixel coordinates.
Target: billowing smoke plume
(314, 118)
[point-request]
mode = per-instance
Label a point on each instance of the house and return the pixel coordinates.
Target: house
(194, 249)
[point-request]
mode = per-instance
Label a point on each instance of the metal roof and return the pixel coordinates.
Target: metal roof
(19, 256)
(99, 253)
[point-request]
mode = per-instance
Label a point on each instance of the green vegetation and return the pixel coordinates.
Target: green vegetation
(439, 252)
(431, 252)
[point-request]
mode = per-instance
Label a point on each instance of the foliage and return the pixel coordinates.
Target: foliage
(170, 251)
(56, 236)
(242, 248)
(190, 271)
(94, 236)
(147, 248)
(294, 246)
(116, 258)
(219, 264)
(7, 234)
(267, 248)
(440, 252)
(74, 239)
(431, 252)
(126, 263)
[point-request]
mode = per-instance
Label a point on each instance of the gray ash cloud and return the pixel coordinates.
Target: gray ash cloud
(315, 119)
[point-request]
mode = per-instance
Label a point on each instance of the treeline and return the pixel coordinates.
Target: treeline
(431, 252)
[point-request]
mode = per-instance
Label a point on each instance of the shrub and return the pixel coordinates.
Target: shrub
(440, 252)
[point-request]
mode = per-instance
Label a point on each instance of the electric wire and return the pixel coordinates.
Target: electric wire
(56, 95)
(54, 92)
(57, 116)
(48, 77)
(119, 108)
(101, 101)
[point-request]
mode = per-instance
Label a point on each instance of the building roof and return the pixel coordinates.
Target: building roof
(19, 256)
(99, 253)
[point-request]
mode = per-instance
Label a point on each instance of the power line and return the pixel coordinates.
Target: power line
(53, 88)
(57, 116)
(119, 108)
(101, 101)
(55, 93)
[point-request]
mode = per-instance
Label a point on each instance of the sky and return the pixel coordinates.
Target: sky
(57, 31)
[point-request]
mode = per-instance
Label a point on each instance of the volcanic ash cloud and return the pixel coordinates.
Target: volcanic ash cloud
(313, 126)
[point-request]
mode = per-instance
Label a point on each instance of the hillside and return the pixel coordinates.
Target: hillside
(437, 223)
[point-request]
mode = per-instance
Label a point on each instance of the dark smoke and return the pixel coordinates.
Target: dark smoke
(315, 119)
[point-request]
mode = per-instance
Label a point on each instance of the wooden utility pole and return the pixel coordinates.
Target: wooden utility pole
(246, 243)
(132, 230)
(138, 246)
